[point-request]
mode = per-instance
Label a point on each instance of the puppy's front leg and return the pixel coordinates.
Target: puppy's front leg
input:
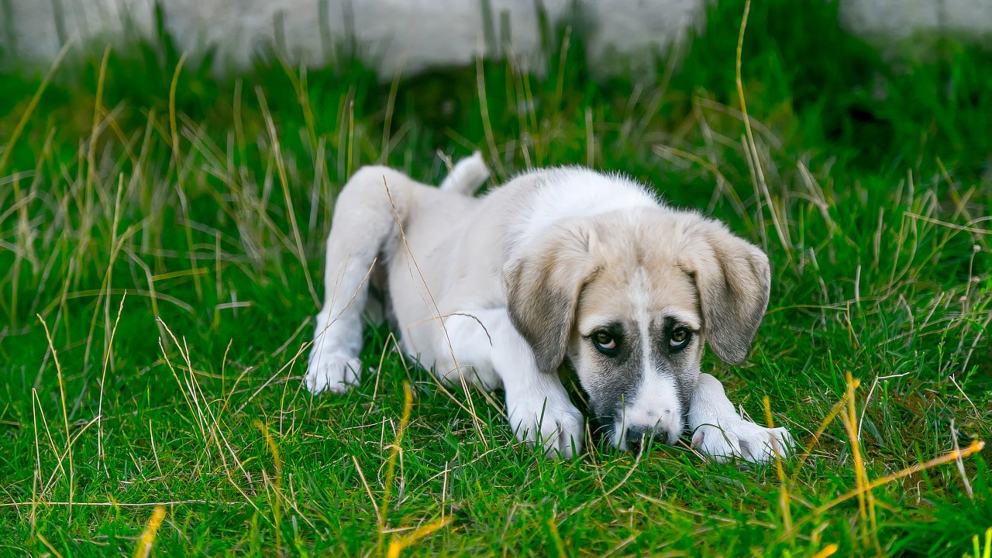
(718, 431)
(537, 405)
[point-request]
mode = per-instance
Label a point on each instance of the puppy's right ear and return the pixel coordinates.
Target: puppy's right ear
(543, 286)
(733, 278)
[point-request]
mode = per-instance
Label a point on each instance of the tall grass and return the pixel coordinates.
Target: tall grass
(167, 228)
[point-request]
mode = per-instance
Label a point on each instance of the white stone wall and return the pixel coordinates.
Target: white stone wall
(402, 36)
(34, 30)
(898, 19)
(406, 36)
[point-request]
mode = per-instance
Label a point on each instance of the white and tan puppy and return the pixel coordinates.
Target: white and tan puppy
(557, 264)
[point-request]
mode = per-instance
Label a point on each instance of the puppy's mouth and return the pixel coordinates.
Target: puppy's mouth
(634, 438)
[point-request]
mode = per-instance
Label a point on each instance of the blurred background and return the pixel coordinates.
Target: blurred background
(408, 36)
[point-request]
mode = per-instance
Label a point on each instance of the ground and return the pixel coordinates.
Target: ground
(161, 234)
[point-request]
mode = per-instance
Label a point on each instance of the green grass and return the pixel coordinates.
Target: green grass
(153, 237)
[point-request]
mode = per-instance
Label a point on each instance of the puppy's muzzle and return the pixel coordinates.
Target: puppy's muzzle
(638, 436)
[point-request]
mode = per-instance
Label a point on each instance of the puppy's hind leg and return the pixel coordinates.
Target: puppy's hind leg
(467, 175)
(365, 226)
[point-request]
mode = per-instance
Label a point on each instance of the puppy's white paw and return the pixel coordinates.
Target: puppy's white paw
(715, 442)
(742, 439)
(336, 372)
(557, 426)
(760, 444)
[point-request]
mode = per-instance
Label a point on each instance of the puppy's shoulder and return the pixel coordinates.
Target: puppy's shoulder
(542, 198)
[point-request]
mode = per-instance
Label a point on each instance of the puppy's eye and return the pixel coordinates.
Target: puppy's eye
(605, 342)
(679, 339)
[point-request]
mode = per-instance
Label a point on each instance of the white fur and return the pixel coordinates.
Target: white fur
(656, 404)
(491, 353)
(579, 193)
(718, 431)
(467, 176)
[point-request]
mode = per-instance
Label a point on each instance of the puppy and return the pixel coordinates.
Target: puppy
(557, 264)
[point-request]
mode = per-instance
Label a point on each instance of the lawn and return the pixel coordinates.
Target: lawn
(161, 248)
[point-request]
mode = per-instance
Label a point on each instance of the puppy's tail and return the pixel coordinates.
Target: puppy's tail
(467, 175)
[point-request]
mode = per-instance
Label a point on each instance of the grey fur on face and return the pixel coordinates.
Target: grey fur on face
(618, 379)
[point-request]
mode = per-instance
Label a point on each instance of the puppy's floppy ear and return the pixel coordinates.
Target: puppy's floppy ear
(543, 286)
(733, 279)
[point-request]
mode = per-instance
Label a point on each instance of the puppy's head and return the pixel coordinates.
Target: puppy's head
(631, 297)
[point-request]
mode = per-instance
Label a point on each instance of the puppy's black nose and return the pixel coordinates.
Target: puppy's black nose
(637, 436)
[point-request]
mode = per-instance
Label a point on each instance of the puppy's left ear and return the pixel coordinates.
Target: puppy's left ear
(542, 289)
(733, 279)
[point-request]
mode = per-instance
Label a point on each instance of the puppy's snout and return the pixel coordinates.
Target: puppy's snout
(638, 436)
